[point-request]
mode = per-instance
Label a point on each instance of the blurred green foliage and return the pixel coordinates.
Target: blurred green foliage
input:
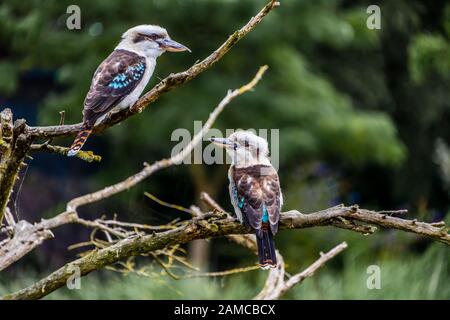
(429, 54)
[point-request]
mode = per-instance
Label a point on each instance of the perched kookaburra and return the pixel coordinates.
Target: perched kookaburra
(254, 189)
(122, 76)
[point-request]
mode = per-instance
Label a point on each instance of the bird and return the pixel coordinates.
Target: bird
(120, 79)
(254, 188)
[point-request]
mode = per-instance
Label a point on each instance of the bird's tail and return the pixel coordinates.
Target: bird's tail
(79, 141)
(266, 247)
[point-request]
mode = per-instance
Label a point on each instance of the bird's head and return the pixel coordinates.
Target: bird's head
(150, 41)
(245, 148)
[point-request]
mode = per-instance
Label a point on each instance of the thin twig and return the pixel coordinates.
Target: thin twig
(166, 204)
(88, 156)
(246, 240)
(210, 202)
(221, 273)
(276, 286)
(190, 231)
(137, 225)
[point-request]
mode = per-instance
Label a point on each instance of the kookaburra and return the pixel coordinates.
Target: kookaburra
(122, 76)
(254, 189)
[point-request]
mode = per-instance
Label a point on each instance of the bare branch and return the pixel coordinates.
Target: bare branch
(26, 238)
(210, 202)
(9, 217)
(308, 272)
(88, 156)
(166, 204)
(387, 221)
(14, 147)
(171, 82)
(220, 273)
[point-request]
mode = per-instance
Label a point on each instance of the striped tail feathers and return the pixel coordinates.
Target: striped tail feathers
(266, 247)
(79, 141)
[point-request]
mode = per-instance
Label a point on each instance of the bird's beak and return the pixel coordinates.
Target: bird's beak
(171, 45)
(223, 142)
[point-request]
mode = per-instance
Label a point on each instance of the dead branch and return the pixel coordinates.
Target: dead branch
(246, 240)
(276, 285)
(220, 273)
(166, 204)
(169, 83)
(14, 147)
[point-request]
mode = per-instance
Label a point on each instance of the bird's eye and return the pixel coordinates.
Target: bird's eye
(154, 36)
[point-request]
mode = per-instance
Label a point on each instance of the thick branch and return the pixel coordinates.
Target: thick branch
(14, 148)
(6, 126)
(148, 243)
(26, 238)
(171, 82)
(246, 240)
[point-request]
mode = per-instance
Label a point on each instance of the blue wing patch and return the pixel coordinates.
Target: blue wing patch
(133, 73)
(239, 202)
(265, 217)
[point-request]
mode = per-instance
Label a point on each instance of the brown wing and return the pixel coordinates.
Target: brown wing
(257, 195)
(272, 198)
(115, 78)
